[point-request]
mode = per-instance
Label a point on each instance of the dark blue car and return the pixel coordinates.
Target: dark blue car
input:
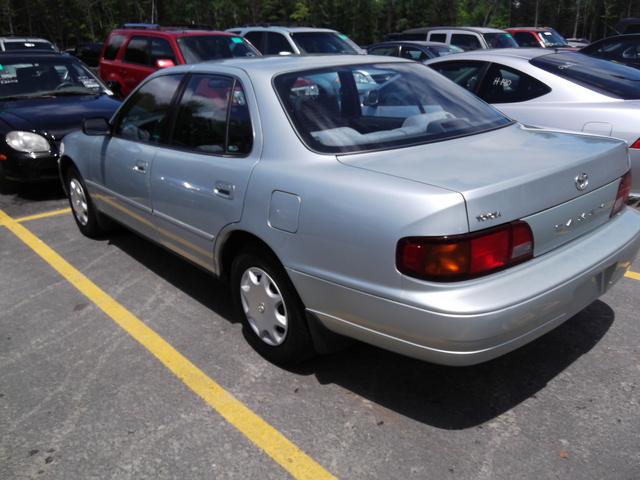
(44, 96)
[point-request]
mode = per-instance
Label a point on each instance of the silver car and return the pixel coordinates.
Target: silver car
(351, 198)
(560, 90)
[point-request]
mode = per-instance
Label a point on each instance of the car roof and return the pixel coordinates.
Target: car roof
(468, 29)
(494, 54)
(531, 29)
(35, 53)
(23, 39)
(275, 64)
(281, 29)
(423, 43)
(168, 30)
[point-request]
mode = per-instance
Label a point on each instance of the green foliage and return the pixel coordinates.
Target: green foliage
(67, 22)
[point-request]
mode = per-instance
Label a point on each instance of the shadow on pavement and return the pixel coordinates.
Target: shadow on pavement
(450, 398)
(455, 398)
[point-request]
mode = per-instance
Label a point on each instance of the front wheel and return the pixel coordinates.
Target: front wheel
(84, 212)
(272, 313)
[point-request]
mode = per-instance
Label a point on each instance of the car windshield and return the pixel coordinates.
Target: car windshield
(500, 40)
(551, 39)
(34, 77)
(199, 48)
(607, 78)
(324, 42)
(380, 105)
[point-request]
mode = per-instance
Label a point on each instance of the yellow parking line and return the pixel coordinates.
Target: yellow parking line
(43, 215)
(634, 275)
(279, 448)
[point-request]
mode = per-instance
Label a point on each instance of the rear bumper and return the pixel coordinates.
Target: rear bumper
(476, 321)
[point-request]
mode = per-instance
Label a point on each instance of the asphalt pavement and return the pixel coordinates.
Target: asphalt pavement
(120, 361)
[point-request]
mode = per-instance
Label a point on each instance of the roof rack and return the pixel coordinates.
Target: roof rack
(277, 24)
(157, 26)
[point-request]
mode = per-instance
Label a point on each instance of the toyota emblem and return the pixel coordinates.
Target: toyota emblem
(582, 181)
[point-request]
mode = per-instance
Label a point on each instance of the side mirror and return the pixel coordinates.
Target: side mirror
(164, 63)
(370, 98)
(115, 87)
(96, 126)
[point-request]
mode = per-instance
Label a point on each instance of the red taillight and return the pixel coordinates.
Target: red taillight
(462, 257)
(623, 193)
(635, 144)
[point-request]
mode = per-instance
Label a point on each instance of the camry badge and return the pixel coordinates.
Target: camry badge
(582, 181)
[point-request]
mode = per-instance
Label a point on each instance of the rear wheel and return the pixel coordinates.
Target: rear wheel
(273, 315)
(82, 206)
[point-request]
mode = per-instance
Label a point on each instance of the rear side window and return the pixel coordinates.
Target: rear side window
(256, 39)
(468, 42)
(213, 117)
(275, 43)
(607, 78)
(113, 45)
(438, 37)
(506, 85)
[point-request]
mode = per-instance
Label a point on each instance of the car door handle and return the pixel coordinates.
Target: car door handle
(224, 190)
(141, 167)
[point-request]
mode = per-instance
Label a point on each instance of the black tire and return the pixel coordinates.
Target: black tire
(84, 212)
(272, 314)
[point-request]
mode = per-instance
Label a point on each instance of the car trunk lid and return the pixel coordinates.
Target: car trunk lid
(516, 173)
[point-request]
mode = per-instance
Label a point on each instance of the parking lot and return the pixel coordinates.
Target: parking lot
(120, 361)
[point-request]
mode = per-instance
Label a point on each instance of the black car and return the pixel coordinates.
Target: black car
(623, 49)
(44, 96)
(88, 52)
(413, 50)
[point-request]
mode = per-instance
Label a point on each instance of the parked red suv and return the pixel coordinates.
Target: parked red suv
(539, 37)
(133, 52)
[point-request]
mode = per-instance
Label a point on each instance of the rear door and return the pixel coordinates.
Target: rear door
(199, 180)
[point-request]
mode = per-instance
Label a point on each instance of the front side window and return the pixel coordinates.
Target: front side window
(467, 74)
(500, 40)
(144, 115)
(137, 51)
(413, 53)
(389, 50)
(526, 39)
(161, 50)
(213, 117)
(373, 106)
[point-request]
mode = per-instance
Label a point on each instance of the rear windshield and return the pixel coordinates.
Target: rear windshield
(379, 105)
(198, 48)
(28, 45)
(604, 77)
(324, 42)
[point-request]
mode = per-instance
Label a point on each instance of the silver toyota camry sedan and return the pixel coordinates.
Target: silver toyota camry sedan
(350, 198)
